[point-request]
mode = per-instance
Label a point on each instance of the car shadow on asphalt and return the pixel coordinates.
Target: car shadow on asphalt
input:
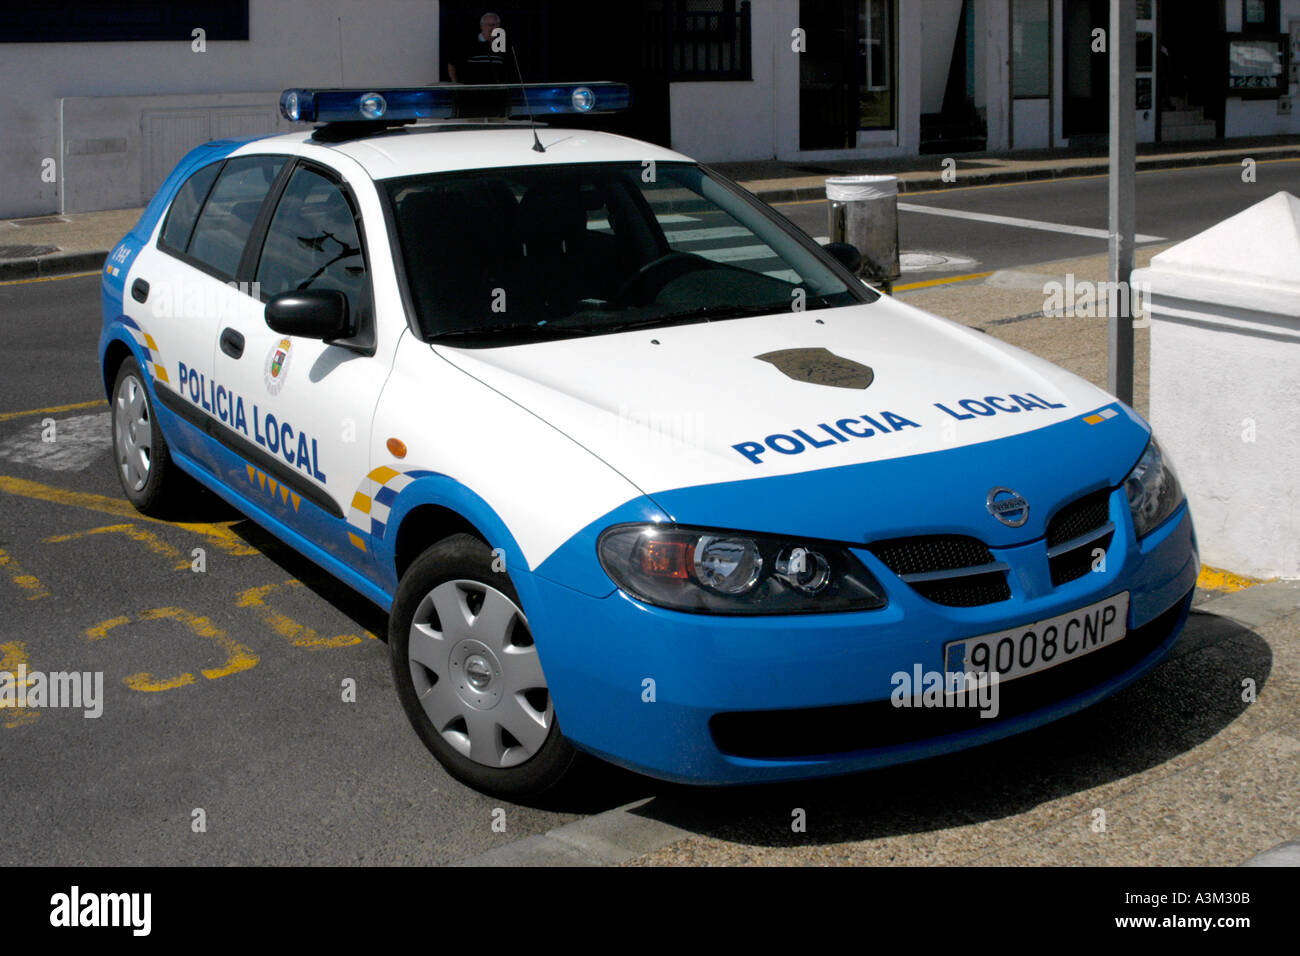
(204, 506)
(1192, 696)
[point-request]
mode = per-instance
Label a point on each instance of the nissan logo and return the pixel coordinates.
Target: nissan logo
(1008, 507)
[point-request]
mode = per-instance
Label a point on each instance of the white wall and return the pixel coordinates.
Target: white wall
(329, 42)
(996, 32)
(719, 121)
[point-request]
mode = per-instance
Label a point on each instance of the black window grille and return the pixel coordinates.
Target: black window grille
(698, 40)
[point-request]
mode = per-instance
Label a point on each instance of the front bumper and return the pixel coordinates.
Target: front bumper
(708, 699)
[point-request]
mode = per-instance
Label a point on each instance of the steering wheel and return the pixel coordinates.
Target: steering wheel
(650, 279)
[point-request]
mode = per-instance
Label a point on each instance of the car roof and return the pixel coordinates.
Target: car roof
(436, 148)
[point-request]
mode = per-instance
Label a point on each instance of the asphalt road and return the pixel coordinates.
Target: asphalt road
(1171, 204)
(223, 689)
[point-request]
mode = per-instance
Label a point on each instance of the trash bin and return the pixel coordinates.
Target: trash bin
(863, 211)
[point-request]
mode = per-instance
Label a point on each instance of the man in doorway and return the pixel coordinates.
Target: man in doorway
(483, 60)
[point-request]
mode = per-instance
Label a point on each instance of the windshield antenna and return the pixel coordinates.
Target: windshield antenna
(537, 143)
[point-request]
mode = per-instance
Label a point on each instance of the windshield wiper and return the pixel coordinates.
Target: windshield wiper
(542, 329)
(705, 313)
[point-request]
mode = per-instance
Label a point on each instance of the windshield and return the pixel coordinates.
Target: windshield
(500, 256)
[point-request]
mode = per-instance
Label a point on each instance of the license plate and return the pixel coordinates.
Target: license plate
(1036, 647)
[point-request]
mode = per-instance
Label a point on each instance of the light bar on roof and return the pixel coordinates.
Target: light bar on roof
(462, 101)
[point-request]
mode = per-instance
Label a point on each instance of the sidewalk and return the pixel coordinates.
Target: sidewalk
(777, 181)
(55, 245)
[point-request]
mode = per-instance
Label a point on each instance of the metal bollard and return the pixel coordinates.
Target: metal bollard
(863, 211)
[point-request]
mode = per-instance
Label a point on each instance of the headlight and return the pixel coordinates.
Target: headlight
(725, 572)
(1153, 489)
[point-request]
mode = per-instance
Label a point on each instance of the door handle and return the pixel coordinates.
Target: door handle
(232, 343)
(139, 290)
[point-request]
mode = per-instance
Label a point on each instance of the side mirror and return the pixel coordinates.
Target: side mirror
(310, 314)
(847, 254)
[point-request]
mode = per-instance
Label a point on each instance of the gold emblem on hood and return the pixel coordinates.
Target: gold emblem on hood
(820, 367)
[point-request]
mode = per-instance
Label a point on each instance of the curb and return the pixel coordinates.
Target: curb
(1284, 854)
(606, 839)
(57, 263)
(817, 189)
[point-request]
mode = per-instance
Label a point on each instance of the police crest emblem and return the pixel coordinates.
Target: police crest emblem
(820, 366)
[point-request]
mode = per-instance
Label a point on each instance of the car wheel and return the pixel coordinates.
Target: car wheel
(468, 673)
(144, 465)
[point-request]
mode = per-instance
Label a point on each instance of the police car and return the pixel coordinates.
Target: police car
(638, 469)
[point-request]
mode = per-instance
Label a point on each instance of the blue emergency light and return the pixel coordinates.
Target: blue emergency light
(460, 101)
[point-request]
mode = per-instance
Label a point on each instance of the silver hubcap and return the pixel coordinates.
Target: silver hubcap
(133, 436)
(477, 675)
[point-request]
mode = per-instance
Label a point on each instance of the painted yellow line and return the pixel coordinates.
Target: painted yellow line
(299, 635)
(221, 535)
(13, 654)
(52, 410)
(30, 584)
(1048, 180)
(150, 540)
(1217, 579)
(239, 657)
(949, 280)
(70, 275)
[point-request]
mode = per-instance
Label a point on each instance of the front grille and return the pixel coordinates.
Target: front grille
(938, 567)
(970, 591)
(1085, 522)
(806, 732)
(1079, 517)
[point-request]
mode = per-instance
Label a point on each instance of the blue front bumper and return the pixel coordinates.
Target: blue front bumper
(702, 698)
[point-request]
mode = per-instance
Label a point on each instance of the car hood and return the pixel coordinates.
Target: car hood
(793, 394)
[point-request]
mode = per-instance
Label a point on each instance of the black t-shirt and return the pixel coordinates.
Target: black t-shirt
(479, 63)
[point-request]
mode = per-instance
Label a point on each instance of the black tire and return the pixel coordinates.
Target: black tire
(466, 559)
(165, 484)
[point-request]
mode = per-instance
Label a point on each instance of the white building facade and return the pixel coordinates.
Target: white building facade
(881, 78)
(99, 101)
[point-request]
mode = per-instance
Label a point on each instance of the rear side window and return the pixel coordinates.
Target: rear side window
(185, 208)
(227, 218)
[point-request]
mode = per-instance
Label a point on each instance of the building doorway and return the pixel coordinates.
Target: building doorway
(848, 73)
(1190, 82)
(1086, 104)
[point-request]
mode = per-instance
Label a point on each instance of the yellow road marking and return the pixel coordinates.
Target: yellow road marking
(101, 629)
(13, 654)
(219, 534)
(52, 410)
(70, 275)
(239, 657)
(948, 280)
(30, 584)
(298, 635)
(150, 540)
(1217, 579)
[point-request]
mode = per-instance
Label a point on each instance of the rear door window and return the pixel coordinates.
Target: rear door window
(227, 218)
(185, 208)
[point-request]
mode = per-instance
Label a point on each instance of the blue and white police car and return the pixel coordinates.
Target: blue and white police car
(637, 468)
